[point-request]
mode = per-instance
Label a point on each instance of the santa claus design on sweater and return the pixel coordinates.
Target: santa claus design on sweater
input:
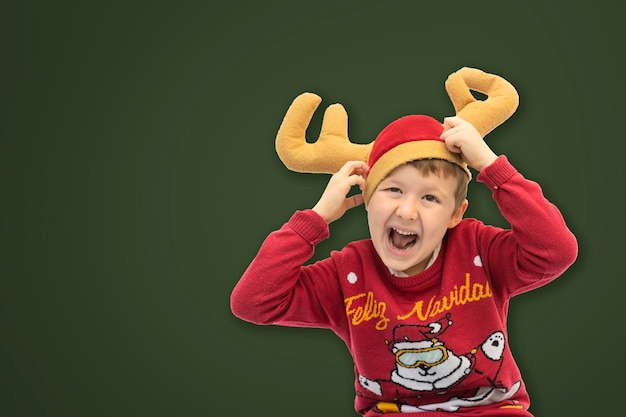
(425, 364)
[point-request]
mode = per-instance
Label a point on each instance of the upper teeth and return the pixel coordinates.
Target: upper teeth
(402, 232)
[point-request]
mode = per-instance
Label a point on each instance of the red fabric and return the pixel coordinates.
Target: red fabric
(405, 129)
(448, 322)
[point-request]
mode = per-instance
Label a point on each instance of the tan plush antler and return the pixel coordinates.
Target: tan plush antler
(331, 150)
(502, 99)
(333, 147)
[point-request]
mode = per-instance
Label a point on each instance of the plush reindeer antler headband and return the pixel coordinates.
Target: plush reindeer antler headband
(406, 139)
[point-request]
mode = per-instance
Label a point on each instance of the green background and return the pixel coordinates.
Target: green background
(138, 178)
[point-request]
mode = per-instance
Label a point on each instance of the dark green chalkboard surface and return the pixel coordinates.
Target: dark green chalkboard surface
(138, 178)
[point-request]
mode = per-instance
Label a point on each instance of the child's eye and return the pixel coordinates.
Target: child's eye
(431, 198)
(394, 190)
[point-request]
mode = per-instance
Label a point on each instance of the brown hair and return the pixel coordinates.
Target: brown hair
(446, 169)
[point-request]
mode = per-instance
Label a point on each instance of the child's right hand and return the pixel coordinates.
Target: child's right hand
(334, 202)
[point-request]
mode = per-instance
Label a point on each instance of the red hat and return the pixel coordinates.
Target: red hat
(418, 332)
(407, 139)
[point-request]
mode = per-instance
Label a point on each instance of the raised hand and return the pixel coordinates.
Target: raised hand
(462, 137)
(334, 202)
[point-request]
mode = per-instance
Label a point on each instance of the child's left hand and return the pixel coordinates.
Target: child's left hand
(462, 137)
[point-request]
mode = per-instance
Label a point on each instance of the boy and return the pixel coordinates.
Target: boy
(422, 304)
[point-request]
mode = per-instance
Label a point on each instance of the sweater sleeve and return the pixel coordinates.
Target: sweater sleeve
(539, 242)
(276, 287)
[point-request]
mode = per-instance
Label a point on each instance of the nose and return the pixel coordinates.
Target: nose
(407, 209)
(424, 367)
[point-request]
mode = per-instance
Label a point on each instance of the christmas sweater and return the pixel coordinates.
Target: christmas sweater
(430, 344)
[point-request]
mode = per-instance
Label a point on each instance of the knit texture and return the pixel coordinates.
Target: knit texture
(428, 344)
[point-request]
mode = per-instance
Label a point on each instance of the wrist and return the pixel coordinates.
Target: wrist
(484, 161)
(320, 212)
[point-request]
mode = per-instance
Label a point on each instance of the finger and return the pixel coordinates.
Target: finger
(447, 133)
(354, 201)
(363, 170)
(451, 121)
(356, 167)
(356, 179)
(452, 143)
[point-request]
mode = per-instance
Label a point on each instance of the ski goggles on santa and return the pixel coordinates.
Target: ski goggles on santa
(430, 356)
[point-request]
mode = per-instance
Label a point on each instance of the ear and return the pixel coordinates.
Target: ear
(457, 216)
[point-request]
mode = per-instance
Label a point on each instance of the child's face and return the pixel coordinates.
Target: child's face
(408, 215)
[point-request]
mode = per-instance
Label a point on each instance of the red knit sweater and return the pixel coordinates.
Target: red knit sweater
(430, 344)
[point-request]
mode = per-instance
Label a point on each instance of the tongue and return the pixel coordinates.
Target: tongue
(401, 241)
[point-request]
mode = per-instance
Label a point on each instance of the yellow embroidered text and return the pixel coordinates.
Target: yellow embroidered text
(371, 309)
(467, 293)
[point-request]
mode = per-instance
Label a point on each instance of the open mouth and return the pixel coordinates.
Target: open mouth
(401, 240)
